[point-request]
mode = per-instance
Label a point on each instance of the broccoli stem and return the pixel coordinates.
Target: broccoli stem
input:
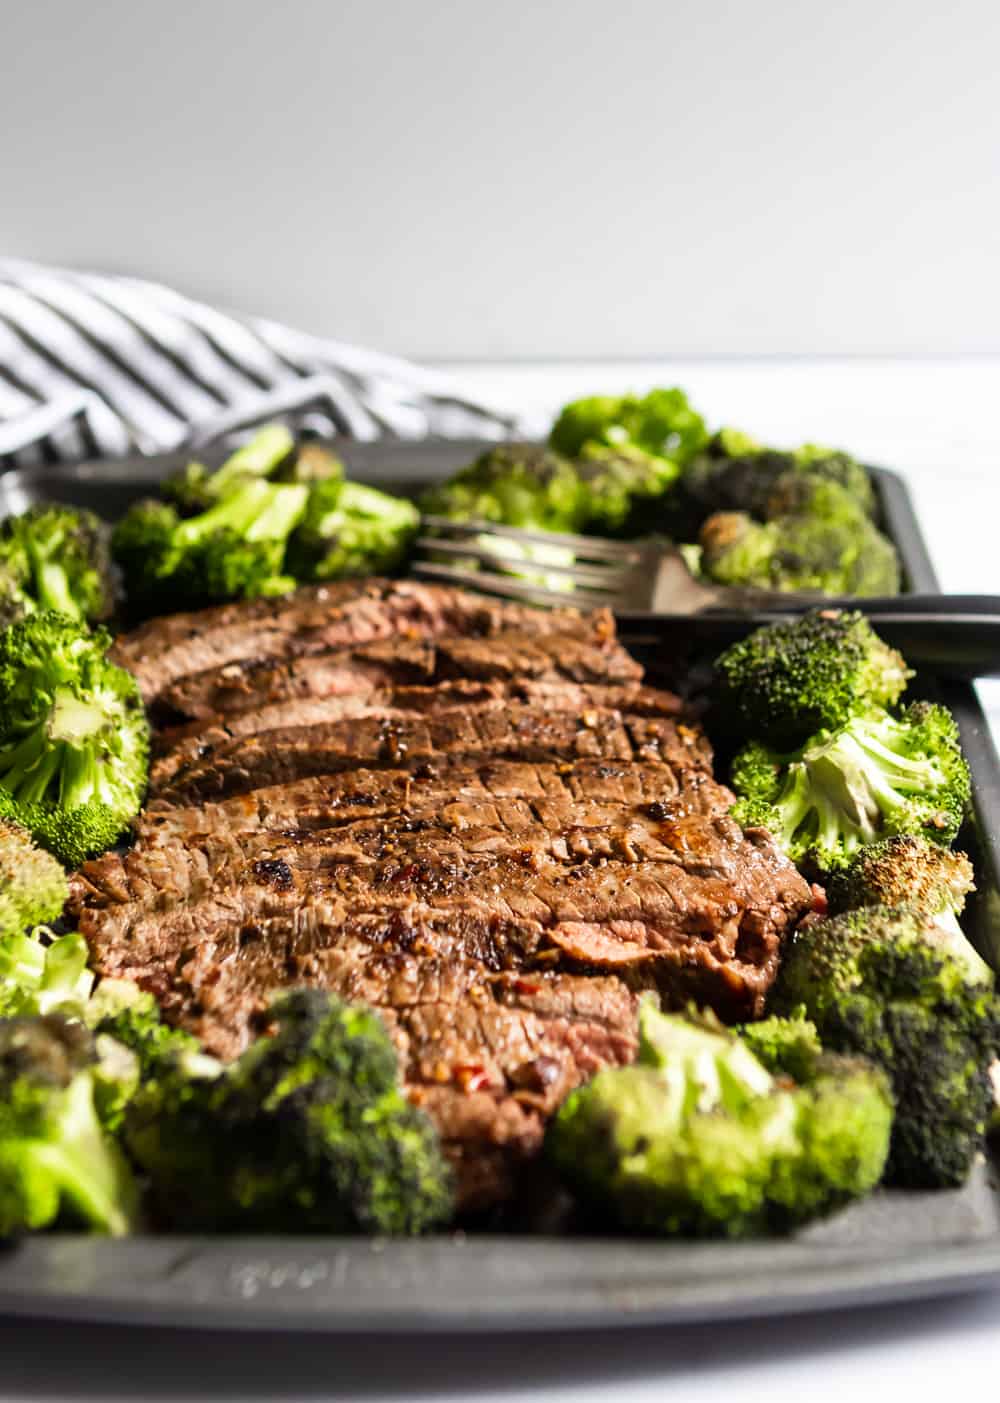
(281, 515)
(257, 458)
(236, 513)
(52, 587)
(88, 1168)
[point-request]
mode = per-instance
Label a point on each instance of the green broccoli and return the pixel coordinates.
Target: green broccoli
(74, 739)
(196, 488)
(787, 681)
(661, 423)
(698, 1138)
(874, 777)
(736, 473)
(42, 974)
(516, 484)
(849, 556)
(235, 549)
(57, 1164)
(307, 1132)
(57, 557)
(621, 484)
(876, 986)
(33, 886)
(907, 870)
(349, 529)
(120, 1010)
(14, 601)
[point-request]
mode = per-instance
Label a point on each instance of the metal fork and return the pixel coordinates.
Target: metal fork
(658, 601)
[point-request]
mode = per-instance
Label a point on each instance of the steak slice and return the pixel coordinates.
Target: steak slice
(315, 620)
(585, 652)
(460, 791)
(176, 751)
(705, 922)
(502, 731)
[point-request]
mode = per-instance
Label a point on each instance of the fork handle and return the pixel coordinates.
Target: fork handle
(961, 644)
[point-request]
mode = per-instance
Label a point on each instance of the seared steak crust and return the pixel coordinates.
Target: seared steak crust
(471, 815)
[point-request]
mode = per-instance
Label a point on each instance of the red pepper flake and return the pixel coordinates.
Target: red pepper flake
(820, 905)
(525, 986)
(471, 1076)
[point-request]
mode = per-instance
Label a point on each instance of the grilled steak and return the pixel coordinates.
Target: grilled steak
(471, 815)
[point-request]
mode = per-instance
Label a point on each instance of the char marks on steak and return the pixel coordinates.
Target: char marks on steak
(469, 814)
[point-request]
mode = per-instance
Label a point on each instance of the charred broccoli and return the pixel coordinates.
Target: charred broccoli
(516, 484)
(699, 1138)
(736, 473)
(57, 1164)
(234, 549)
(845, 555)
(349, 529)
(908, 871)
(33, 887)
(874, 777)
(74, 740)
(196, 488)
(57, 557)
(876, 986)
(661, 423)
(787, 681)
(307, 1132)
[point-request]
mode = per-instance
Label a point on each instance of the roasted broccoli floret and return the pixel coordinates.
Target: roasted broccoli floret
(196, 488)
(909, 871)
(517, 484)
(876, 776)
(736, 473)
(875, 985)
(120, 1010)
(57, 1164)
(661, 422)
(308, 1131)
(848, 556)
(787, 681)
(698, 1138)
(58, 557)
(42, 973)
(33, 887)
(234, 549)
(74, 740)
(622, 485)
(349, 529)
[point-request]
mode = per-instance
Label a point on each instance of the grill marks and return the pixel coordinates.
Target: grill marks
(472, 816)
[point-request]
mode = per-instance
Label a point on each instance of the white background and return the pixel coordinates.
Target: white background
(469, 178)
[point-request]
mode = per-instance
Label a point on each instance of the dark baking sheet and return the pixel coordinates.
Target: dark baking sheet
(895, 1246)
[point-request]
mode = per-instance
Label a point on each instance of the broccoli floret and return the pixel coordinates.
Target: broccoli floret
(60, 557)
(909, 871)
(876, 986)
(74, 740)
(787, 1047)
(33, 887)
(836, 557)
(699, 1138)
(308, 1131)
(621, 484)
(517, 484)
(787, 681)
(120, 1010)
(233, 550)
(661, 423)
(736, 473)
(196, 488)
(42, 973)
(874, 777)
(349, 529)
(57, 1165)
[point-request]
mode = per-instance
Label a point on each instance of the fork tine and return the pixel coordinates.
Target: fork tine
(510, 588)
(603, 577)
(594, 547)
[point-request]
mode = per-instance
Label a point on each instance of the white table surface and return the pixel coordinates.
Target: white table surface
(938, 423)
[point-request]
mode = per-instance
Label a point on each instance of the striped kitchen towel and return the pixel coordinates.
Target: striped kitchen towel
(102, 367)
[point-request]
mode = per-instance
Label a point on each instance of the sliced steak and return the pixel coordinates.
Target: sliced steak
(315, 620)
(705, 921)
(174, 751)
(502, 731)
(584, 652)
(460, 791)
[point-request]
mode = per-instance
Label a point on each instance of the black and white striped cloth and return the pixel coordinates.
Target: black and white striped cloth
(103, 367)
